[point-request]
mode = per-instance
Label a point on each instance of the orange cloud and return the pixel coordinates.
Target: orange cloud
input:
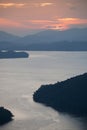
(40, 21)
(46, 4)
(18, 5)
(39, 4)
(57, 24)
(60, 24)
(66, 22)
(6, 5)
(40, 24)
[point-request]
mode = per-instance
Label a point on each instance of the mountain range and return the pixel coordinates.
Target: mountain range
(4, 36)
(72, 40)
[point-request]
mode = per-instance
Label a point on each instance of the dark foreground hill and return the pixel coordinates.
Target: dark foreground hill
(69, 96)
(5, 116)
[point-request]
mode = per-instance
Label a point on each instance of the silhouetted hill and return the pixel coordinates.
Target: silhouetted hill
(50, 36)
(48, 40)
(4, 36)
(69, 96)
(5, 116)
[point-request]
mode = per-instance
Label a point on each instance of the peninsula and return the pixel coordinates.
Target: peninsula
(5, 116)
(69, 96)
(13, 54)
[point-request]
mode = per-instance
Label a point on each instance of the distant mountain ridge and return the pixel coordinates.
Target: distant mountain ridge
(4, 36)
(68, 40)
(48, 36)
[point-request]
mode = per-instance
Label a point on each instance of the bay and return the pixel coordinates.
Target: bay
(20, 78)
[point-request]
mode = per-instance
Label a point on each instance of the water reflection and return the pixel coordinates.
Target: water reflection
(19, 78)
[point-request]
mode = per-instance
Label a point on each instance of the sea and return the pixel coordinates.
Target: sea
(21, 77)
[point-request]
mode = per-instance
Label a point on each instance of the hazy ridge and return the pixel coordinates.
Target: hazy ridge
(67, 40)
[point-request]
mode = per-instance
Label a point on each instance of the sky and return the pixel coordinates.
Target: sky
(22, 17)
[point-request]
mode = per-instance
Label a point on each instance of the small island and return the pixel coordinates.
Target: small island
(13, 54)
(69, 96)
(5, 116)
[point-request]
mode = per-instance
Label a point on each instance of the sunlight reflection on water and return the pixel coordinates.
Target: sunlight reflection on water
(20, 78)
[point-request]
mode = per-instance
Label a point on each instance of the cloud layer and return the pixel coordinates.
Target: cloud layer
(18, 5)
(42, 14)
(59, 23)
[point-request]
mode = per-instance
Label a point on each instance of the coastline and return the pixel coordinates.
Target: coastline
(69, 96)
(5, 116)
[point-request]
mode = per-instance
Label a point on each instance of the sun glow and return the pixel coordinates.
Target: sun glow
(67, 22)
(55, 24)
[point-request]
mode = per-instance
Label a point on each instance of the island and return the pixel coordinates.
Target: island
(5, 116)
(13, 54)
(69, 96)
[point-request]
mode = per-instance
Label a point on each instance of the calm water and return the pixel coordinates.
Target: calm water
(19, 78)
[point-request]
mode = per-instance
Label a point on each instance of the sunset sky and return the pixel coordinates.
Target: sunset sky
(23, 17)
